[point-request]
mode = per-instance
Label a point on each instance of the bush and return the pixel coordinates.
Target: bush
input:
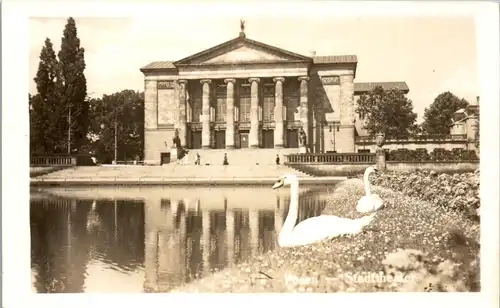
(436, 155)
(457, 191)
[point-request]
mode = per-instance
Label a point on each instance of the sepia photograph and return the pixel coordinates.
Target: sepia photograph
(248, 152)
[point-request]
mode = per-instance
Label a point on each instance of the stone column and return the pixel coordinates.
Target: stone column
(182, 112)
(380, 162)
(205, 214)
(230, 236)
(304, 107)
(278, 112)
(230, 113)
(205, 117)
(254, 231)
(254, 113)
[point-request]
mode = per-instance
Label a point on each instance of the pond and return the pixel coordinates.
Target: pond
(137, 239)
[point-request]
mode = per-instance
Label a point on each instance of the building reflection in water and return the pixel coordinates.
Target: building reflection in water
(167, 238)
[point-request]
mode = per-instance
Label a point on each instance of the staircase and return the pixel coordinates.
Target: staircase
(238, 157)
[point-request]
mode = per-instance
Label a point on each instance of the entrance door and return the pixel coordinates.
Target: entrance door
(220, 139)
(268, 139)
(196, 140)
(244, 140)
(292, 136)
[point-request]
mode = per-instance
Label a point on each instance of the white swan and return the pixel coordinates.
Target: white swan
(369, 202)
(316, 228)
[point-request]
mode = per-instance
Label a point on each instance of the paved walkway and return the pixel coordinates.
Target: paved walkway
(176, 174)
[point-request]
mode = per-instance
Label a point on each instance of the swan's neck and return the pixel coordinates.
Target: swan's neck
(367, 183)
(293, 209)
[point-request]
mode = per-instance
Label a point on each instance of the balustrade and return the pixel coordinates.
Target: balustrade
(53, 161)
(331, 158)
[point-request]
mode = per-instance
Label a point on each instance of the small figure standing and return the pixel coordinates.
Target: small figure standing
(225, 163)
(198, 158)
(302, 137)
(277, 159)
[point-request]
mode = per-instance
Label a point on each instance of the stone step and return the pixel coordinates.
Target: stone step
(178, 171)
(244, 157)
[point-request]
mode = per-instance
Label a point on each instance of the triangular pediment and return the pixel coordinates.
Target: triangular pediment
(241, 50)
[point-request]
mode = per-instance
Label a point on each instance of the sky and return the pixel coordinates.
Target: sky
(432, 54)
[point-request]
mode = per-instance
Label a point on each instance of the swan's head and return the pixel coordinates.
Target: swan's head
(285, 180)
(371, 169)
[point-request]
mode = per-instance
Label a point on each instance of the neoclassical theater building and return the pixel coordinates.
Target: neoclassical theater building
(247, 94)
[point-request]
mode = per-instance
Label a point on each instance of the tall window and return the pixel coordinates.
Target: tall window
(220, 104)
(196, 104)
(268, 103)
(245, 103)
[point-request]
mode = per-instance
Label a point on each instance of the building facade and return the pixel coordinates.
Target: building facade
(247, 94)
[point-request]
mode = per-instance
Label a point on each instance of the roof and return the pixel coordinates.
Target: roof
(242, 39)
(335, 59)
(364, 87)
(159, 65)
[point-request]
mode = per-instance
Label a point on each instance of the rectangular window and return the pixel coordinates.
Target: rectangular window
(268, 103)
(220, 107)
(244, 103)
(197, 110)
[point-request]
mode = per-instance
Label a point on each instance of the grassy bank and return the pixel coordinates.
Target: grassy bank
(427, 248)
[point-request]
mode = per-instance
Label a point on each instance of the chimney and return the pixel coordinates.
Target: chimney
(313, 53)
(477, 100)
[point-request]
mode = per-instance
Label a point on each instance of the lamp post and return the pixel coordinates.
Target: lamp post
(334, 127)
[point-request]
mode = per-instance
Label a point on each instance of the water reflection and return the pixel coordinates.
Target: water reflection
(138, 239)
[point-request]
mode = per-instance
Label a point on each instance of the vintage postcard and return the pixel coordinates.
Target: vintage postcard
(321, 148)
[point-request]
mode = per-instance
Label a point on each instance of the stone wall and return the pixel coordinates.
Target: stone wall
(154, 145)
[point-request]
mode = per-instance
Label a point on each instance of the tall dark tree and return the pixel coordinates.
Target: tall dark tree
(389, 112)
(74, 84)
(46, 107)
(438, 116)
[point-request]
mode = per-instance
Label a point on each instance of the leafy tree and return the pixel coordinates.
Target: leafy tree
(389, 112)
(74, 84)
(438, 116)
(127, 108)
(45, 107)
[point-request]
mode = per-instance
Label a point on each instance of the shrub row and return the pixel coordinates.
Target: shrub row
(436, 155)
(456, 191)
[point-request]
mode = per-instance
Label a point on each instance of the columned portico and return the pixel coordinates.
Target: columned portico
(182, 111)
(205, 116)
(254, 112)
(278, 112)
(304, 106)
(230, 82)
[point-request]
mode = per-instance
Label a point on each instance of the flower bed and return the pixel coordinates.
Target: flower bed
(456, 191)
